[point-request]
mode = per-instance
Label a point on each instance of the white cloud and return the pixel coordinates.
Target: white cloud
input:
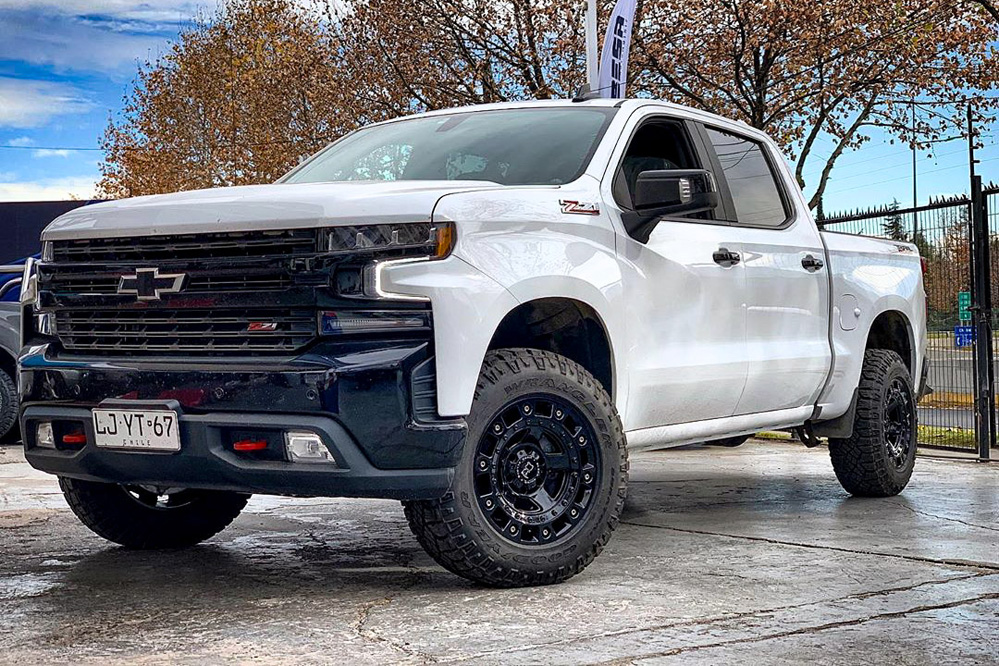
(51, 152)
(161, 10)
(111, 36)
(21, 142)
(69, 44)
(50, 189)
(27, 103)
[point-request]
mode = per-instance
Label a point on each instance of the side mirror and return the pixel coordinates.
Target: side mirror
(675, 191)
(668, 192)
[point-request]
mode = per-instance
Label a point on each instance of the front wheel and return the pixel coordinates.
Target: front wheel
(878, 457)
(542, 477)
(146, 518)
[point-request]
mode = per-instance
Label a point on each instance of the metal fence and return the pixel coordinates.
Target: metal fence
(942, 232)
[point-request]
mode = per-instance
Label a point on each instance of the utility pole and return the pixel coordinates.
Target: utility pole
(915, 191)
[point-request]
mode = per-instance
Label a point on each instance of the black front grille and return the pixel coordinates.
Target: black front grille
(88, 281)
(200, 331)
(186, 247)
(223, 273)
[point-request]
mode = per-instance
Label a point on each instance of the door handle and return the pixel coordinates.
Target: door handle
(726, 258)
(811, 264)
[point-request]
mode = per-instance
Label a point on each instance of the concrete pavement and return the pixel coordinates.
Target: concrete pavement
(751, 555)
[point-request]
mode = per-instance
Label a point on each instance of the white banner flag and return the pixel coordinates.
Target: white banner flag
(617, 45)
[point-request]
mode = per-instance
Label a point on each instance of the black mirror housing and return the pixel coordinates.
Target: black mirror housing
(673, 191)
(668, 192)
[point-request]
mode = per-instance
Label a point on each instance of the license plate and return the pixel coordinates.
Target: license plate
(144, 430)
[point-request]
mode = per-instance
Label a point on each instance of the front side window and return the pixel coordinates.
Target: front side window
(540, 146)
(755, 192)
(657, 145)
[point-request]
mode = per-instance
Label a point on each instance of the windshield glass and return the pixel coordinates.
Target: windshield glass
(540, 146)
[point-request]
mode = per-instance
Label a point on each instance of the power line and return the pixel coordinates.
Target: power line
(817, 169)
(898, 165)
(226, 144)
(46, 148)
(892, 180)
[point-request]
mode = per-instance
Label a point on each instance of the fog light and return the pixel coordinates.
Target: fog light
(307, 447)
(44, 436)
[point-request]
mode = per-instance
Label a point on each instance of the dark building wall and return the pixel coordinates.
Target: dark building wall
(21, 224)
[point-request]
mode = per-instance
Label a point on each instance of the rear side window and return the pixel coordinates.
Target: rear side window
(755, 193)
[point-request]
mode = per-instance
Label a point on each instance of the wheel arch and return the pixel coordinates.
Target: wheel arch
(563, 325)
(8, 363)
(892, 330)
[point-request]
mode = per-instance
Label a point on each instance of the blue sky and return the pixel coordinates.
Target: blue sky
(66, 64)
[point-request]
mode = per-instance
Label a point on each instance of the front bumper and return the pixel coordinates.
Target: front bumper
(371, 403)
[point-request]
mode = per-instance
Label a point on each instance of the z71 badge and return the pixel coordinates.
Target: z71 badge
(579, 207)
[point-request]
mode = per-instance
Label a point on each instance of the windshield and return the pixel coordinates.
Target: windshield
(540, 146)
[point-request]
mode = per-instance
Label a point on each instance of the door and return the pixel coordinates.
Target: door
(684, 294)
(787, 281)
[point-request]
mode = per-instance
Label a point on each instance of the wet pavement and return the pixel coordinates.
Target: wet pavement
(751, 555)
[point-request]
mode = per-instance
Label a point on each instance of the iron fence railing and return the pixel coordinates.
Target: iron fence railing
(940, 230)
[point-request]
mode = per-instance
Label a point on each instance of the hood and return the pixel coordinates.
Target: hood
(258, 207)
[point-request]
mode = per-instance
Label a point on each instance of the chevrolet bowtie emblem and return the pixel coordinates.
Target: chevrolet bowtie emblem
(149, 285)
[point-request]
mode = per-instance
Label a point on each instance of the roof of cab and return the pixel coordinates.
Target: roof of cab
(629, 104)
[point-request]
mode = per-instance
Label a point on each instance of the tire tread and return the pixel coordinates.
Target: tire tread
(859, 460)
(438, 526)
(108, 512)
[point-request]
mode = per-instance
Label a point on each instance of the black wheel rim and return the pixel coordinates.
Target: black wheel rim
(899, 423)
(536, 470)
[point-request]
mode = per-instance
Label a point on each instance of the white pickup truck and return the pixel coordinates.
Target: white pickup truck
(475, 311)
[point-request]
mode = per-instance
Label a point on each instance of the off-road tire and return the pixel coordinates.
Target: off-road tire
(729, 442)
(862, 462)
(111, 512)
(455, 531)
(8, 403)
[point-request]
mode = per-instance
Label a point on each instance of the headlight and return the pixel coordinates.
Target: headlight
(48, 253)
(433, 240)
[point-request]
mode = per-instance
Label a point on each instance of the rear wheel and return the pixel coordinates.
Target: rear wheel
(878, 458)
(145, 518)
(542, 477)
(8, 403)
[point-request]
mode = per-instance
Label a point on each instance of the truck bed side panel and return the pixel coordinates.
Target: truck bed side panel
(870, 277)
